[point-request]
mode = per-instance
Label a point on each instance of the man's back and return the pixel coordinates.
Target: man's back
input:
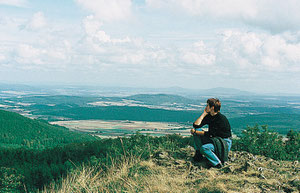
(218, 126)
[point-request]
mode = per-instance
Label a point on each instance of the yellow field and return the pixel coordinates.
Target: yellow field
(116, 128)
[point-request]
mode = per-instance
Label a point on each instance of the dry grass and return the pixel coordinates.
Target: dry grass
(132, 175)
(174, 175)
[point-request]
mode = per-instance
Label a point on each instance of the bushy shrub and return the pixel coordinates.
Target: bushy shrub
(292, 145)
(262, 141)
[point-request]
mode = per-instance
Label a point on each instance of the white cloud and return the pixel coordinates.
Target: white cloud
(108, 10)
(236, 53)
(259, 52)
(130, 58)
(101, 36)
(215, 8)
(91, 25)
(272, 64)
(92, 49)
(4, 50)
(94, 31)
(28, 56)
(159, 55)
(279, 54)
(199, 59)
(198, 55)
(2, 58)
(27, 51)
(17, 3)
(37, 21)
(244, 43)
(103, 51)
(276, 16)
(158, 4)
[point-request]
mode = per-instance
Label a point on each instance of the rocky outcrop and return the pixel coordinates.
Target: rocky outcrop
(244, 172)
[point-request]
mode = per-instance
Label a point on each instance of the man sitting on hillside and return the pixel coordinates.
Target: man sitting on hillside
(215, 143)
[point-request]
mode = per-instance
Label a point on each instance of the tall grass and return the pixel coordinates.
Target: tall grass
(131, 174)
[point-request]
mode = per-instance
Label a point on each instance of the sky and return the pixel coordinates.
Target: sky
(252, 45)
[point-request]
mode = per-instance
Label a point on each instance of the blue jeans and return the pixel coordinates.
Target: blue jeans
(208, 149)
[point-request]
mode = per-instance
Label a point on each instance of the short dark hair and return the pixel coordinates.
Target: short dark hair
(214, 102)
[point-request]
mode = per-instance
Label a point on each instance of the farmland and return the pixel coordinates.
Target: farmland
(113, 128)
(121, 114)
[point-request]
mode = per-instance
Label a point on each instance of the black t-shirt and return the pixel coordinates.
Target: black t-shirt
(218, 126)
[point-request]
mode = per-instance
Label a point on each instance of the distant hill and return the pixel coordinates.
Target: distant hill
(85, 90)
(19, 131)
(227, 91)
(16, 87)
(157, 99)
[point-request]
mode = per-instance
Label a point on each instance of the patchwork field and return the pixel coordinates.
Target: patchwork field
(115, 128)
(280, 113)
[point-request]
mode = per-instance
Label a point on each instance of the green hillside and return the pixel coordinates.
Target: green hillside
(19, 131)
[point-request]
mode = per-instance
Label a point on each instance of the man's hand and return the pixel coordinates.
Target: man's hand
(193, 131)
(206, 111)
(199, 120)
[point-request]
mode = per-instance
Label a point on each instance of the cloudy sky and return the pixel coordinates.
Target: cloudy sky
(252, 45)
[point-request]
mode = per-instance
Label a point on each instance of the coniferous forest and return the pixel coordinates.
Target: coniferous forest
(19, 131)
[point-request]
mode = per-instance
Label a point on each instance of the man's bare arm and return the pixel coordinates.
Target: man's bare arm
(194, 132)
(198, 122)
(200, 119)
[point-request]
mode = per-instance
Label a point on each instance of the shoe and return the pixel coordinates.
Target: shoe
(198, 156)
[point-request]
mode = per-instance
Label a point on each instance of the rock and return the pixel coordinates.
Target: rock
(161, 158)
(163, 155)
(274, 164)
(262, 176)
(248, 165)
(260, 169)
(295, 164)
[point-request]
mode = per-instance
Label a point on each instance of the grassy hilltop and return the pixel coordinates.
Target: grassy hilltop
(164, 164)
(169, 171)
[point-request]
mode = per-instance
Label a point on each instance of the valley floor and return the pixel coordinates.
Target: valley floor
(117, 128)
